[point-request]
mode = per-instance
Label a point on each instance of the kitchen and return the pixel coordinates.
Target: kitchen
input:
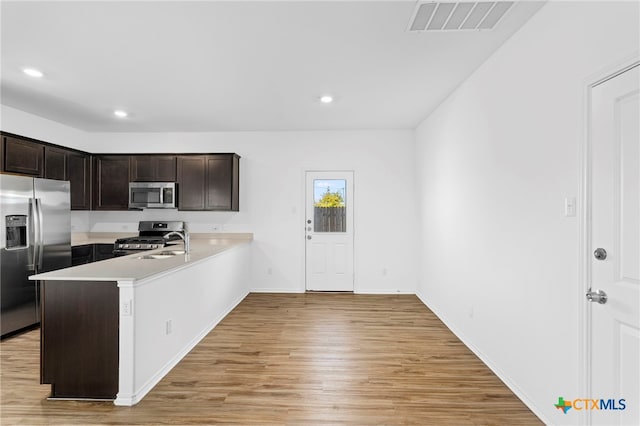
(274, 159)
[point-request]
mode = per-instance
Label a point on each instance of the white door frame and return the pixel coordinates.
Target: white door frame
(584, 278)
(303, 218)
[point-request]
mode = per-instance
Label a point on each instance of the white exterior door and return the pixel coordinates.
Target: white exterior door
(329, 231)
(615, 229)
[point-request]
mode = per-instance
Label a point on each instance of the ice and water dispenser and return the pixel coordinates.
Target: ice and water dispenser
(16, 231)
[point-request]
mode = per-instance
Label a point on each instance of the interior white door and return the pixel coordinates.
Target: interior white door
(615, 247)
(329, 231)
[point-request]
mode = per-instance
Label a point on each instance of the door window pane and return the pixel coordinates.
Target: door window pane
(330, 197)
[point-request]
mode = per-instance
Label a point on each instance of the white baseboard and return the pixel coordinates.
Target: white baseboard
(487, 361)
(379, 291)
(128, 400)
(356, 291)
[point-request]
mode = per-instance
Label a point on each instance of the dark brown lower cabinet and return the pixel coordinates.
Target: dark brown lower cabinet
(88, 253)
(79, 339)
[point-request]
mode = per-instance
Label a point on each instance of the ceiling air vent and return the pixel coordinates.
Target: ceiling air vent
(457, 16)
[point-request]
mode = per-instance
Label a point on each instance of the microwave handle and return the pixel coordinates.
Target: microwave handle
(164, 199)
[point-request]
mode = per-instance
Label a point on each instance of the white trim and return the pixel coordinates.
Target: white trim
(520, 393)
(276, 290)
(584, 255)
(381, 291)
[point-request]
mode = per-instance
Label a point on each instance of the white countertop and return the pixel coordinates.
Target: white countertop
(132, 268)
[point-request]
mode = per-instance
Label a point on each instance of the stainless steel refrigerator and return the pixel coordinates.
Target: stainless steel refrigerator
(35, 236)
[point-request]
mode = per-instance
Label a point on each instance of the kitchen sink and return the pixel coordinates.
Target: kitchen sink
(170, 252)
(156, 256)
(162, 255)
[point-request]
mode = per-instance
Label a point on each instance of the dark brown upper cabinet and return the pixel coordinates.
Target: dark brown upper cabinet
(222, 182)
(79, 174)
(101, 182)
(191, 182)
(208, 182)
(111, 182)
(55, 163)
(74, 166)
(23, 157)
(153, 168)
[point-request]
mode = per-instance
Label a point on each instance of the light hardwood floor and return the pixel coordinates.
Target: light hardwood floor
(297, 359)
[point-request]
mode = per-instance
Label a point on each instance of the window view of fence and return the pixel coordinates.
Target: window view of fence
(330, 210)
(330, 219)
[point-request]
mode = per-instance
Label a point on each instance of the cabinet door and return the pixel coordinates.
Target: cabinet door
(79, 176)
(23, 157)
(55, 163)
(141, 168)
(102, 252)
(219, 173)
(165, 166)
(191, 182)
(2, 138)
(153, 168)
(111, 178)
(81, 255)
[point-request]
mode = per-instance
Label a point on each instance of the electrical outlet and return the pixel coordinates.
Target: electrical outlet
(570, 207)
(269, 271)
(169, 327)
(126, 308)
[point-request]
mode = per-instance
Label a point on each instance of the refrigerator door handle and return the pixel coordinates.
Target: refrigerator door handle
(33, 236)
(40, 233)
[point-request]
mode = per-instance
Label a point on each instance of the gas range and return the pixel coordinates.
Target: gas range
(150, 236)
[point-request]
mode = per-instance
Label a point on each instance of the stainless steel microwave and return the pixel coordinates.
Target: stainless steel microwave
(152, 195)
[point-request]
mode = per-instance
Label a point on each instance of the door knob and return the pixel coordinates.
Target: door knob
(600, 254)
(308, 237)
(308, 220)
(598, 296)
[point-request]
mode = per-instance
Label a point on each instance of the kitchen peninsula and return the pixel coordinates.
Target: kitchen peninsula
(112, 329)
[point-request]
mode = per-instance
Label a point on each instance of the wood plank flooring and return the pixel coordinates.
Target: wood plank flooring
(295, 359)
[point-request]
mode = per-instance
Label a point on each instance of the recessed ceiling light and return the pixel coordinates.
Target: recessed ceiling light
(326, 99)
(32, 72)
(120, 113)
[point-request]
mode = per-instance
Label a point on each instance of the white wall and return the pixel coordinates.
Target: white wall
(272, 198)
(499, 261)
(33, 126)
(272, 194)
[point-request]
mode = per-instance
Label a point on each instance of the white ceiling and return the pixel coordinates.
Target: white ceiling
(236, 65)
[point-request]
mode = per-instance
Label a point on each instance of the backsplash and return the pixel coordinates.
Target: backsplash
(127, 221)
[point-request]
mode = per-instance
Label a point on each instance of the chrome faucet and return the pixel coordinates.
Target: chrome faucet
(185, 237)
